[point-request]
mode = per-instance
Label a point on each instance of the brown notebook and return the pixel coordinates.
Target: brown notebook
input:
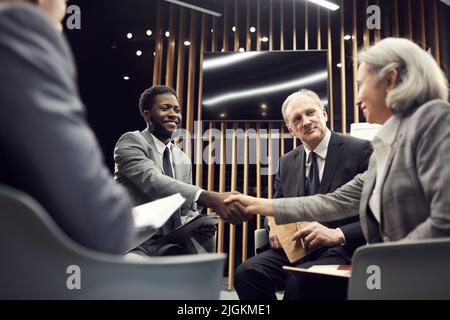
(294, 249)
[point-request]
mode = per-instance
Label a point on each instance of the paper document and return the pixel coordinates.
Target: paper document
(155, 214)
(330, 270)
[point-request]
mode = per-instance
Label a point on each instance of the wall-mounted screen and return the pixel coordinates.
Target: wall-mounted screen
(251, 86)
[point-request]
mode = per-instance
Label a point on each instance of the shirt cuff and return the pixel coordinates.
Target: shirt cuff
(343, 236)
(194, 204)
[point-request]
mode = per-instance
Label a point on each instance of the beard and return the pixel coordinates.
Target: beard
(158, 129)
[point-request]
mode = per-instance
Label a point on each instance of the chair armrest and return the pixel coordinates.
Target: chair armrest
(261, 238)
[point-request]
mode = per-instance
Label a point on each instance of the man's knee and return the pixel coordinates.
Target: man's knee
(243, 272)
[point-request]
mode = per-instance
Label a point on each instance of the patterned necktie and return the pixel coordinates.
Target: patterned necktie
(313, 182)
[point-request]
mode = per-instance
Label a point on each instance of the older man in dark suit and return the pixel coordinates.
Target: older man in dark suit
(323, 163)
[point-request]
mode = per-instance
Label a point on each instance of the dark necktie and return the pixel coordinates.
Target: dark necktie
(175, 220)
(167, 166)
(313, 182)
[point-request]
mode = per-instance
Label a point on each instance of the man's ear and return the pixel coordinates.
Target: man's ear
(325, 114)
(147, 116)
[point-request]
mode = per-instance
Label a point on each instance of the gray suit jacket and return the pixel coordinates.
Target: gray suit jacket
(139, 168)
(415, 195)
(47, 148)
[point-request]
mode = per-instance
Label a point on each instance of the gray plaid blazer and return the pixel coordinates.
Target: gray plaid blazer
(415, 195)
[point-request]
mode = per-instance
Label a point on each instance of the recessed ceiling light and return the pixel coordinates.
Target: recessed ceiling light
(264, 113)
(212, 30)
(148, 33)
(167, 34)
(126, 78)
(241, 49)
(187, 43)
(263, 106)
(339, 65)
(129, 35)
(222, 115)
(252, 29)
(264, 39)
(139, 53)
(233, 28)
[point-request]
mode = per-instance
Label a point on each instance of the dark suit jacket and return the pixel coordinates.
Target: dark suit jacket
(346, 157)
(46, 146)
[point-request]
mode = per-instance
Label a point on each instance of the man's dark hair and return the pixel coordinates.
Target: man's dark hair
(148, 97)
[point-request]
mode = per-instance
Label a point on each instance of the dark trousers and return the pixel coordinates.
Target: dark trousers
(261, 276)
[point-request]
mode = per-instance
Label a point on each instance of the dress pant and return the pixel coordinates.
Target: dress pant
(261, 276)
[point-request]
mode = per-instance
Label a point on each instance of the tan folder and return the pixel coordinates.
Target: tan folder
(294, 249)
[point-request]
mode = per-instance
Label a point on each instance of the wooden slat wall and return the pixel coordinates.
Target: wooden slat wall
(208, 33)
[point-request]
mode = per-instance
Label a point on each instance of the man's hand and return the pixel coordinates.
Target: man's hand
(273, 237)
(204, 232)
(231, 212)
(316, 235)
(252, 205)
(273, 240)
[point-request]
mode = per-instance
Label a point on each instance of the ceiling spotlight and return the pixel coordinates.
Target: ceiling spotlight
(222, 115)
(347, 37)
(167, 34)
(126, 78)
(264, 39)
(264, 114)
(264, 106)
(139, 53)
(129, 35)
(223, 50)
(154, 53)
(187, 43)
(252, 29)
(339, 65)
(212, 30)
(241, 49)
(148, 33)
(233, 28)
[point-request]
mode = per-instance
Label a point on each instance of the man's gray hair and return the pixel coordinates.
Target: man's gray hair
(420, 79)
(301, 92)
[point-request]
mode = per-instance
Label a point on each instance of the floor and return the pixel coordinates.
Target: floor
(226, 294)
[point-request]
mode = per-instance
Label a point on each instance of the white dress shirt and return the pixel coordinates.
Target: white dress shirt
(382, 146)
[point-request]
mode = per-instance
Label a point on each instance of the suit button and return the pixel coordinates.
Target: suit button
(386, 238)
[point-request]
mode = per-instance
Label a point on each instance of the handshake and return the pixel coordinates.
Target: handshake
(235, 207)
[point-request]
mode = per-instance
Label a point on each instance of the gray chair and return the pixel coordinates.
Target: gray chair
(261, 238)
(413, 270)
(35, 256)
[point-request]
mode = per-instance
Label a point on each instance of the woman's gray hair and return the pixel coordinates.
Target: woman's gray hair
(420, 79)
